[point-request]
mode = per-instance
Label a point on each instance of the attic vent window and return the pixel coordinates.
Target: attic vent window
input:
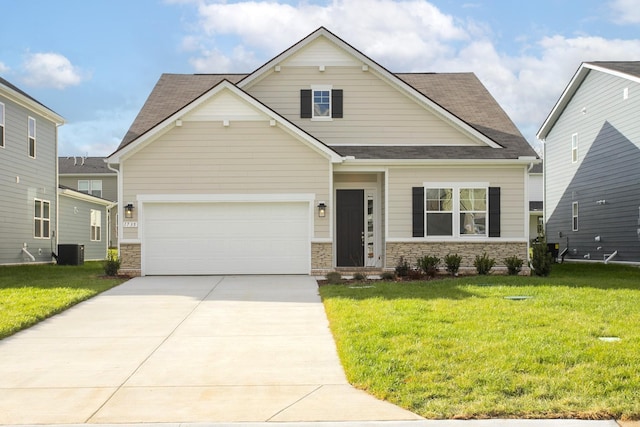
(625, 93)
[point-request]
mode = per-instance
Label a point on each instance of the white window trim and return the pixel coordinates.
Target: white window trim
(95, 223)
(456, 186)
(42, 219)
(29, 136)
(575, 214)
(2, 126)
(315, 88)
(574, 148)
(90, 186)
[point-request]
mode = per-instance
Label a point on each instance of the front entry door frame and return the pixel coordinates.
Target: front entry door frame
(372, 249)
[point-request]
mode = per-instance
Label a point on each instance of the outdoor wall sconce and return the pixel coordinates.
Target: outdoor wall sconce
(322, 210)
(128, 211)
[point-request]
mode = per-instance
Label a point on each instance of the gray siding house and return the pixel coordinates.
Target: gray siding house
(28, 177)
(84, 221)
(592, 164)
(90, 175)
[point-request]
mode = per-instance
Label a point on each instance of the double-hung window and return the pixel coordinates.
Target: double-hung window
(90, 186)
(321, 102)
(473, 211)
(32, 137)
(96, 225)
(456, 210)
(574, 148)
(574, 216)
(41, 219)
(439, 211)
(1, 125)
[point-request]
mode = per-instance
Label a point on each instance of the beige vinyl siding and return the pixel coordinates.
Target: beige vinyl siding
(244, 158)
(509, 179)
(374, 111)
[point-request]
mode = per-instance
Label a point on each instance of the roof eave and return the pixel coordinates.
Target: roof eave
(32, 105)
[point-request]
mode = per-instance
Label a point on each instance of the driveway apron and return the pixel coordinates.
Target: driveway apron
(185, 349)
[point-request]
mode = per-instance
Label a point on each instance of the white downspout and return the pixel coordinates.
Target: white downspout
(25, 251)
(610, 257)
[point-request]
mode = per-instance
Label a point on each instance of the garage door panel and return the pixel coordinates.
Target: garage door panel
(227, 238)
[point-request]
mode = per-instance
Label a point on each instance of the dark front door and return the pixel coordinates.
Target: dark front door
(350, 228)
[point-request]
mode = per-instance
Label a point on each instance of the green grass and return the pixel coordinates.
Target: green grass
(456, 348)
(31, 293)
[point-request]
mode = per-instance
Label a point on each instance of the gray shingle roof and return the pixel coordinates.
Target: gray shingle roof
(462, 94)
(76, 165)
(172, 93)
(628, 67)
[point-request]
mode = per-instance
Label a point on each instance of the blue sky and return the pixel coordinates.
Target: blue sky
(95, 61)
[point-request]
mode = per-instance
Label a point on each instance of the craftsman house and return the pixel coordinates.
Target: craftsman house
(592, 164)
(320, 159)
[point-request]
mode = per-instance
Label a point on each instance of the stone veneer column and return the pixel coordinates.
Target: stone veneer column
(131, 262)
(321, 258)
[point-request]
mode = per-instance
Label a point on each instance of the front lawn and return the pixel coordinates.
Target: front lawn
(31, 293)
(460, 348)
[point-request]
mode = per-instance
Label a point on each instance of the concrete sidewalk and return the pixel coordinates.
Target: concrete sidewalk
(185, 350)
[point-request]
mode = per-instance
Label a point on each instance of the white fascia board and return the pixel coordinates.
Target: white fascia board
(359, 163)
(226, 198)
(84, 197)
(562, 102)
(170, 121)
(31, 105)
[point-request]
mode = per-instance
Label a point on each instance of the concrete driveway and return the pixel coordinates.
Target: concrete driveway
(185, 349)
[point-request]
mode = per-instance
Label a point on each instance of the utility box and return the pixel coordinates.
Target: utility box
(70, 254)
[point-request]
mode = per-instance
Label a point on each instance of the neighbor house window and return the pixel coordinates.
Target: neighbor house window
(454, 210)
(574, 216)
(96, 225)
(90, 186)
(41, 219)
(439, 211)
(473, 211)
(32, 137)
(1, 125)
(574, 148)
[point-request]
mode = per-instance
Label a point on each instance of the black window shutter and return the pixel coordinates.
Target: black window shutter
(305, 103)
(418, 211)
(336, 103)
(494, 211)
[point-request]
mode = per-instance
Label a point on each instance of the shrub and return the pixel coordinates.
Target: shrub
(484, 264)
(452, 261)
(514, 265)
(334, 278)
(403, 268)
(415, 274)
(111, 264)
(542, 259)
(359, 276)
(429, 264)
(388, 275)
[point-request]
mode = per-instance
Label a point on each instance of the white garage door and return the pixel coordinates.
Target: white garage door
(226, 238)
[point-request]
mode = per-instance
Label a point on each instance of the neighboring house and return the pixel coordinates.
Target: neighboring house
(83, 221)
(592, 164)
(28, 177)
(90, 175)
(319, 159)
(536, 198)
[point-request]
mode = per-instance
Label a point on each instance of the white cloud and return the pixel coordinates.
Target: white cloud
(51, 70)
(626, 11)
(3, 67)
(409, 36)
(99, 136)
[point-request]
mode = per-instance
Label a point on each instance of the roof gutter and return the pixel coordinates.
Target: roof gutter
(522, 160)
